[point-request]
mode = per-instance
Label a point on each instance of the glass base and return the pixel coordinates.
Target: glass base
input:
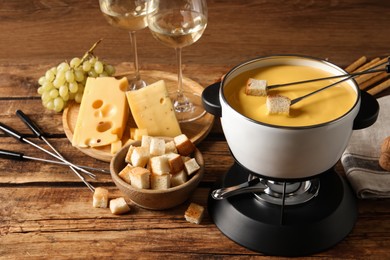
(188, 107)
(135, 84)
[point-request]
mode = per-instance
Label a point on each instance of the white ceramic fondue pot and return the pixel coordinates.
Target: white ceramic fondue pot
(280, 152)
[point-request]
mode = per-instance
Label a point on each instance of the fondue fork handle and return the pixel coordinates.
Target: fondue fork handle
(40, 134)
(21, 156)
(15, 134)
(254, 185)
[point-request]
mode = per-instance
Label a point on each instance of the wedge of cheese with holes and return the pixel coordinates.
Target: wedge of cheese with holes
(152, 109)
(103, 112)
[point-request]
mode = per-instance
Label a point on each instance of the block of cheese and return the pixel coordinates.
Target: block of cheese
(103, 112)
(152, 109)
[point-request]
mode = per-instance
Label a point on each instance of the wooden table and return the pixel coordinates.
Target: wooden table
(45, 211)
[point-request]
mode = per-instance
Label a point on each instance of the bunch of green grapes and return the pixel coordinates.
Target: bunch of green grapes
(67, 81)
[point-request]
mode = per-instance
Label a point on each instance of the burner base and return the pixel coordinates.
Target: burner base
(295, 230)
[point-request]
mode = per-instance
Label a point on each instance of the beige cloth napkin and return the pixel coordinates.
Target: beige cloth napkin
(360, 159)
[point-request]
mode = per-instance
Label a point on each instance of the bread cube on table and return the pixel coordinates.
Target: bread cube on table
(140, 178)
(119, 206)
(194, 213)
(100, 198)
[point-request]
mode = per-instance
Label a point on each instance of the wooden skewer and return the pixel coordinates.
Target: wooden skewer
(356, 64)
(368, 83)
(367, 65)
(379, 88)
(366, 77)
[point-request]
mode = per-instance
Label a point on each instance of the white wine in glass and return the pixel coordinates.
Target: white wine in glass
(131, 16)
(177, 24)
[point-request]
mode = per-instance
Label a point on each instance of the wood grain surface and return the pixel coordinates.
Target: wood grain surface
(46, 211)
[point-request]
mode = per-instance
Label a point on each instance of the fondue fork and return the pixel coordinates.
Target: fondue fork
(282, 104)
(40, 134)
(350, 75)
(13, 133)
(21, 156)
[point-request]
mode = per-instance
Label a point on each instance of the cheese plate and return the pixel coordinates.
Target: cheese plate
(196, 130)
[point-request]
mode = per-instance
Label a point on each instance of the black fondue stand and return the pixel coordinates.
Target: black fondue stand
(280, 229)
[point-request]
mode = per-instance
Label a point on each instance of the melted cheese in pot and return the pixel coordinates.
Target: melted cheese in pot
(320, 108)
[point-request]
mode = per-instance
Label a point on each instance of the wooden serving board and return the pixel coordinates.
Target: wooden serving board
(196, 130)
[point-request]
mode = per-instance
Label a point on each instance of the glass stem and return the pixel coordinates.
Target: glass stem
(179, 72)
(137, 82)
(133, 40)
(182, 103)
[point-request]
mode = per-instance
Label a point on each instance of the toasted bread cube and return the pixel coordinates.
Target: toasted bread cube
(140, 178)
(125, 173)
(146, 140)
(160, 182)
(140, 156)
(175, 161)
(256, 87)
(184, 145)
(194, 213)
(170, 147)
(128, 154)
(191, 166)
(278, 104)
(119, 206)
(159, 165)
(178, 178)
(157, 147)
(100, 198)
(116, 146)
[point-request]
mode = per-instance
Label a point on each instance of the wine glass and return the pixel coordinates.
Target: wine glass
(177, 24)
(129, 15)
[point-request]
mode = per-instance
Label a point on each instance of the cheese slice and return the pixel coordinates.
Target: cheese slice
(103, 112)
(152, 109)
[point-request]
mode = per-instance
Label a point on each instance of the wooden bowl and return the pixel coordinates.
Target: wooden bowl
(155, 199)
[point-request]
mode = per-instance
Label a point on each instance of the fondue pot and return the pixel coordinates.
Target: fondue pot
(282, 195)
(287, 152)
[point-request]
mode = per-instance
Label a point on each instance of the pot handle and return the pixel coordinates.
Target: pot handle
(368, 112)
(210, 99)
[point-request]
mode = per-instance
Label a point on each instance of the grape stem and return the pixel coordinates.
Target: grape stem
(90, 51)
